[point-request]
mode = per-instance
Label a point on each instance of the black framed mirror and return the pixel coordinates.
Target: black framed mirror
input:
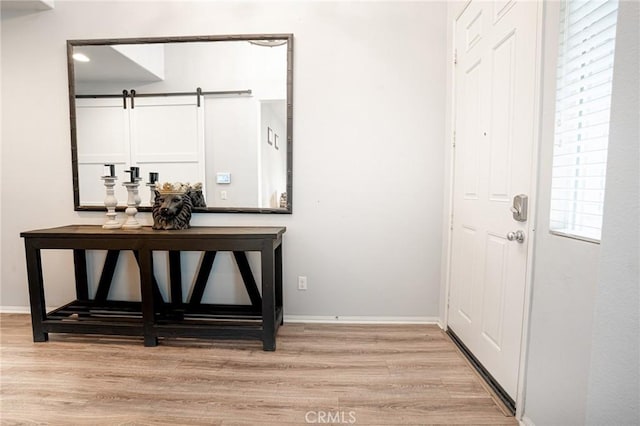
(215, 110)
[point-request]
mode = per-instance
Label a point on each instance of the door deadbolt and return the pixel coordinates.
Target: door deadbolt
(520, 207)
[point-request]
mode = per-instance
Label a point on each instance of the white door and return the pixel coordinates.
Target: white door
(103, 131)
(494, 121)
(167, 137)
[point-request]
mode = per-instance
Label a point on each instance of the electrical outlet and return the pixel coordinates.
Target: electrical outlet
(302, 283)
(223, 195)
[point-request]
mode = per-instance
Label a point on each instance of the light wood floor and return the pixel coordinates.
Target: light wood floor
(373, 374)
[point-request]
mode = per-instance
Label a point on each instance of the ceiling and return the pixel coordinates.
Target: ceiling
(33, 5)
(109, 64)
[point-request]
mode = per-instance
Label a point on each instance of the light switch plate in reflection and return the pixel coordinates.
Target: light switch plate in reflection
(223, 177)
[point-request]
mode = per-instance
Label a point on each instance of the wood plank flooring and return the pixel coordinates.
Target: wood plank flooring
(349, 374)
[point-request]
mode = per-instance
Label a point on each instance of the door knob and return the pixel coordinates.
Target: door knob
(517, 236)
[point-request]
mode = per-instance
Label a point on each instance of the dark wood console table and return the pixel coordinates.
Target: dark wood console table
(153, 317)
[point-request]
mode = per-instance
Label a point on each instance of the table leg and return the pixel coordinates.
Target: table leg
(147, 294)
(278, 278)
(268, 297)
(36, 292)
(202, 277)
(247, 278)
(80, 265)
(106, 277)
(175, 279)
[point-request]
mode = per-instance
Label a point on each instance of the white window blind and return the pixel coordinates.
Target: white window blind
(583, 101)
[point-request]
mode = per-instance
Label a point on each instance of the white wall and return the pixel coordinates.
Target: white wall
(565, 277)
(567, 273)
(614, 380)
(231, 145)
(273, 156)
(369, 99)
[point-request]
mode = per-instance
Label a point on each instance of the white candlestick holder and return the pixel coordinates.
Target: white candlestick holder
(133, 201)
(110, 202)
(136, 196)
(152, 190)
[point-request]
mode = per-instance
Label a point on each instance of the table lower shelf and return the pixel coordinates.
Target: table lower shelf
(125, 318)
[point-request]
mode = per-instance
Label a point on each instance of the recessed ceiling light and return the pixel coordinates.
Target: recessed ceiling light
(81, 57)
(268, 43)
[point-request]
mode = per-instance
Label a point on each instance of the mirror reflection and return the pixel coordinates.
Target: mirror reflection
(210, 111)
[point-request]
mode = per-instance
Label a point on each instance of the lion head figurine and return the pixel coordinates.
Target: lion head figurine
(172, 206)
(197, 197)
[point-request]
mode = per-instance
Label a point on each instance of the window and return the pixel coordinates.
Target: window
(583, 101)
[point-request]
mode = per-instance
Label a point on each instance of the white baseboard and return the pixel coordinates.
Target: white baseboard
(338, 319)
(15, 310)
(320, 319)
(526, 421)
